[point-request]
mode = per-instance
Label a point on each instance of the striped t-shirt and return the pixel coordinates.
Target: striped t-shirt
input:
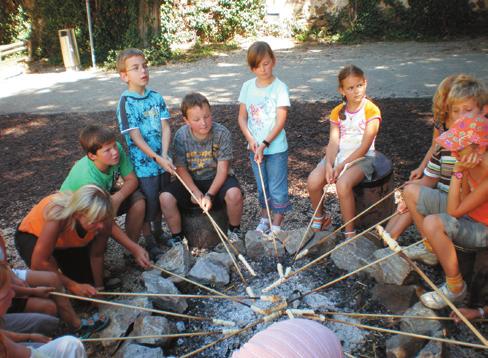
(440, 166)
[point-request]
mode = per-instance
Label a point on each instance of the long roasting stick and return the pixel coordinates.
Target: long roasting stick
(165, 313)
(199, 285)
(176, 335)
(145, 294)
(393, 245)
(305, 252)
(375, 316)
(392, 331)
(267, 208)
(313, 262)
(222, 235)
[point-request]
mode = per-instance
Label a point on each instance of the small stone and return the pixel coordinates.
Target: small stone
(403, 346)
(153, 326)
(135, 350)
(258, 246)
(420, 326)
(320, 302)
(433, 349)
(394, 270)
(180, 326)
(180, 341)
(155, 283)
(354, 255)
(177, 260)
(113, 282)
(396, 299)
(209, 273)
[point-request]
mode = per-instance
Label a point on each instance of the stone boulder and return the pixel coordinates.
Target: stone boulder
(258, 246)
(208, 272)
(354, 255)
(155, 283)
(396, 299)
(132, 350)
(153, 326)
(221, 258)
(177, 260)
(391, 271)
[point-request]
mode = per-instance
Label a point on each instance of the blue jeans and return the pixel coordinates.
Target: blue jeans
(274, 168)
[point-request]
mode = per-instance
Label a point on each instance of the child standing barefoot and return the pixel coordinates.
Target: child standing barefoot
(353, 128)
(263, 109)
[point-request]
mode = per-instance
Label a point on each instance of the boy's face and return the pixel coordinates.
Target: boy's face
(136, 73)
(106, 156)
(199, 119)
(463, 108)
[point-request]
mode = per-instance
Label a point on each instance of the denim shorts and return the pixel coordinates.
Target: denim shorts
(152, 187)
(431, 201)
(465, 231)
(274, 168)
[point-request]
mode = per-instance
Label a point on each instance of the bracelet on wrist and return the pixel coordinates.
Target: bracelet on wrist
(210, 196)
(266, 143)
(482, 312)
(458, 175)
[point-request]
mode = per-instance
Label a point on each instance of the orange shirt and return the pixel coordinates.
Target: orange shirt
(480, 214)
(34, 222)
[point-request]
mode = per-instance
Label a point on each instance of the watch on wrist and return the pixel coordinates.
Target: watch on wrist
(266, 143)
(211, 196)
(458, 175)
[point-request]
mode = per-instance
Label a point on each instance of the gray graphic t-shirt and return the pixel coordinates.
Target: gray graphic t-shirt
(201, 157)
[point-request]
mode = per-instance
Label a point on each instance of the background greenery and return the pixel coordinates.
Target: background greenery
(202, 22)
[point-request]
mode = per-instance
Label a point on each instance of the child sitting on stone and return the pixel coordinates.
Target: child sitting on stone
(202, 153)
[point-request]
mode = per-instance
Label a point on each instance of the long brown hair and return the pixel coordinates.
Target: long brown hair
(349, 70)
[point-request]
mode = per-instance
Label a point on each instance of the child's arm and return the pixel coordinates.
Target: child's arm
(25, 337)
(140, 255)
(281, 113)
(130, 185)
(458, 203)
(419, 171)
(369, 135)
(166, 140)
(242, 120)
(43, 260)
(331, 152)
(135, 135)
(185, 175)
(219, 180)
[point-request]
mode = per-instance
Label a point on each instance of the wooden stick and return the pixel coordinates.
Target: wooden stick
(473, 329)
(220, 233)
(353, 272)
(124, 305)
(199, 285)
(176, 335)
(394, 316)
(144, 294)
(354, 218)
(328, 253)
(392, 331)
(267, 208)
(309, 225)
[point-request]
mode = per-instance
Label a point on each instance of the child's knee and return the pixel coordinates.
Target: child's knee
(315, 181)
(433, 224)
(411, 192)
(233, 196)
(167, 200)
(343, 187)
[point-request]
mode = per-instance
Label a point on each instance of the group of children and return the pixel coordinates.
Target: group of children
(64, 237)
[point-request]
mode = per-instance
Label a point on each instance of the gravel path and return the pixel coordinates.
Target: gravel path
(395, 69)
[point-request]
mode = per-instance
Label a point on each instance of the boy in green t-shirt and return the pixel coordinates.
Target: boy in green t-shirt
(107, 166)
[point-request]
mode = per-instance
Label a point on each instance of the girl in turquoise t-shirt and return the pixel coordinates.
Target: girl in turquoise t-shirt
(263, 109)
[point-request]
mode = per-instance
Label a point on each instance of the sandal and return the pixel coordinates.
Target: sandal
(95, 323)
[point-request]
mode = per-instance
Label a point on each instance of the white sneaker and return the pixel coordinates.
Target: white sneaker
(435, 301)
(420, 253)
(263, 226)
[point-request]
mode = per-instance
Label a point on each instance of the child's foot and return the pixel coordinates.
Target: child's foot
(152, 247)
(275, 229)
(263, 226)
(95, 323)
(175, 240)
(319, 223)
(435, 301)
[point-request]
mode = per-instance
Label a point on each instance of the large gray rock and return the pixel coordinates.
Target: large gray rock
(222, 259)
(396, 299)
(354, 255)
(155, 283)
(420, 326)
(403, 346)
(433, 349)
(135, 350)
(258, 246)
(121, 318)
(238, 244)
(393, 270)
(294, 238)
(315, 247)
(320, 302)
(153, 326)
(209, 273)
(177, 260)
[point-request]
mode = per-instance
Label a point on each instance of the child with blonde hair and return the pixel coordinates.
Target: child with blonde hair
(263, 110)
(350, 152)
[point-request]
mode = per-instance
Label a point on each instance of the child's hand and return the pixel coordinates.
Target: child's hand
(82, 289)
(469, 313)
(259, 154)
(337, 171)
(198, 195)
(206, 203)
(253, 146)
(470, 160)
(329, 173)
(416, 174)
(39, 338)
(142, 257)
(42, 291)
(166, 163)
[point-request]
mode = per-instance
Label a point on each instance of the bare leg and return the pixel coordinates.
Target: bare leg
(278, 219)
(441, 245)
(315, 184)
(170, 212)
(411, 196)
(135, 219)
(398, 224)
(62, 305)
(97, 252)
(345, 185)
(234, 203)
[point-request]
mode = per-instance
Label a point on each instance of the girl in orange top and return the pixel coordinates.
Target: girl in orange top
(466, 220)
(67, 233)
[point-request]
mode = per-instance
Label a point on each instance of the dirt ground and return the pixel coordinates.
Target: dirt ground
(38, 150)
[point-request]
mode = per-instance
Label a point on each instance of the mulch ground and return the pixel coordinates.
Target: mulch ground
(38, 151)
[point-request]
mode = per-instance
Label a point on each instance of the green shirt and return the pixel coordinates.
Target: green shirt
(85, 172)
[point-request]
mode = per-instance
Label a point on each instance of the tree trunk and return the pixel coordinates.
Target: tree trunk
(149, 20)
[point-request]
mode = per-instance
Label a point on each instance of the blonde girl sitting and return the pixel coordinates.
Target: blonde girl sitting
(349, 155)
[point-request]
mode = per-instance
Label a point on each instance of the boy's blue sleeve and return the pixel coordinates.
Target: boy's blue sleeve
(164, 113)
(127, 120)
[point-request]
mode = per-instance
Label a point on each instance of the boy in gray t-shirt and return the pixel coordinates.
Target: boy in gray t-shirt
(202, 152)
